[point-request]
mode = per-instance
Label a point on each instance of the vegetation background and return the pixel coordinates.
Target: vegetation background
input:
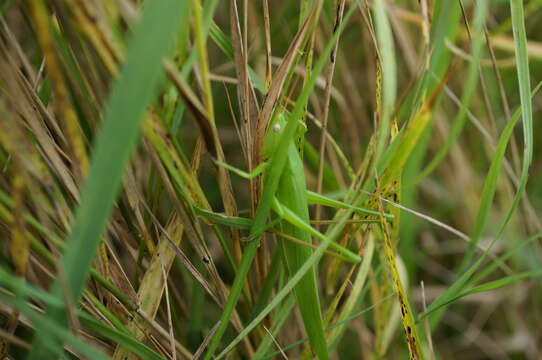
(124, 236)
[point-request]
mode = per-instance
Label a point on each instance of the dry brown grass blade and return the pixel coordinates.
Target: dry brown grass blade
(218, 292)
(163, 335)
(194, 236)
(10, 338)
(162, 145)
(134, 199)
(195, 162)
(205, 341)
(62, 101)
(245, 89)
(327, 98)
(17, 50)
(18, 244)
(169, 321)
(170, 172)
(13, 50)
(279, 78)
(12, 138)
(195, 107)
(249, 121)
(267, 34)
(118, 277)
(191, 187)
(208, 130)
(153, 283)
(223, 175)
(210, 134)
(91, 24)
(28, 107)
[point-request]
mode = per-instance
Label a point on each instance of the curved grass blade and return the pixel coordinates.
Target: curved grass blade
(488, 194)
(497, 262)
(315, 198)
(490, 185)
(492, 285)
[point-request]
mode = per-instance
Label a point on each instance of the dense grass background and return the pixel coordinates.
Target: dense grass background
(123, 238)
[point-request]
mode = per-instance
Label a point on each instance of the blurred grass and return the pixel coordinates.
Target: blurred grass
(151, 251)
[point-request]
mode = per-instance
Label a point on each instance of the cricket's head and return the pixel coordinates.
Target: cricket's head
(276, 127)
(274, 131)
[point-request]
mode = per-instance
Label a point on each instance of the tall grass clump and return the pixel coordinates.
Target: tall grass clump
(186, 179)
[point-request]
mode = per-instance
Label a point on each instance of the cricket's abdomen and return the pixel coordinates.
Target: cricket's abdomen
(292, 194)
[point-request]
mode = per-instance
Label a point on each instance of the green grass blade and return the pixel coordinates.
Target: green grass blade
(524, 81)
(389, 74)
(355, 293)
(208, 11)
(423, 106)
(53, 328)
(497, 262)
(444, 29)
(338, 324)
(128, 342)
(134, 90)
(283, 314)
(238, 222)
(470, 86)
(24, 290)
(490, 185)
(487, 195)
(492, 285)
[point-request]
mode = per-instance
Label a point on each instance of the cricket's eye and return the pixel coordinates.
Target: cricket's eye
(277, 128)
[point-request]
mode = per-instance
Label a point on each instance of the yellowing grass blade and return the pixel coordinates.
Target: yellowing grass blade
(411, 334)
